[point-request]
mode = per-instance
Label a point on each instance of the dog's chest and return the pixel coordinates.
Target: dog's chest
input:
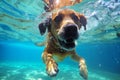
(60, 56)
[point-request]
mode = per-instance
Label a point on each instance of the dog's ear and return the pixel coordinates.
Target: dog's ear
(44, 25)
(83, 21)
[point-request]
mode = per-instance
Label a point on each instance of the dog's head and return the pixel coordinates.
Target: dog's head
(64, 26)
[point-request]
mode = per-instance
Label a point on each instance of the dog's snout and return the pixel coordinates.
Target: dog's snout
(70, 27)
(70, 31)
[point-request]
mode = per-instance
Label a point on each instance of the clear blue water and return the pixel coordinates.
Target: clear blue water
(20, 58)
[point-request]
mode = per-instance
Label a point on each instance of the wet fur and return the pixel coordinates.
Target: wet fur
(53, 4)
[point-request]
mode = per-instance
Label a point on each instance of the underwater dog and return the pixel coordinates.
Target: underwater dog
(63, 27)
(63, 30)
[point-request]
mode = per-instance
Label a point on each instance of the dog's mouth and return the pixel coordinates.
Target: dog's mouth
(68, 44)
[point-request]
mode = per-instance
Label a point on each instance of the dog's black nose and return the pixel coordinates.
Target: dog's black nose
(71, 31)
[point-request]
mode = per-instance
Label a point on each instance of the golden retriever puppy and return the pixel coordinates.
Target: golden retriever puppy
(63, 30)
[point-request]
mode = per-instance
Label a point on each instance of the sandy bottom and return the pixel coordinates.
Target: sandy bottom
(36, 71)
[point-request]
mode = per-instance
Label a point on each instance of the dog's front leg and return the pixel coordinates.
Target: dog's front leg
(82, 65)
(51, 65)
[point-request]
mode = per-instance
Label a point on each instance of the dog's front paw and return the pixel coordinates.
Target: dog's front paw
(52, 68)
(83, 69)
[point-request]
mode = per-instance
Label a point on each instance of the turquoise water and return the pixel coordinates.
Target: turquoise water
(20, 58)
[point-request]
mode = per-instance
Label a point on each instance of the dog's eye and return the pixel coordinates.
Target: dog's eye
(74, 17)
(58, 18)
